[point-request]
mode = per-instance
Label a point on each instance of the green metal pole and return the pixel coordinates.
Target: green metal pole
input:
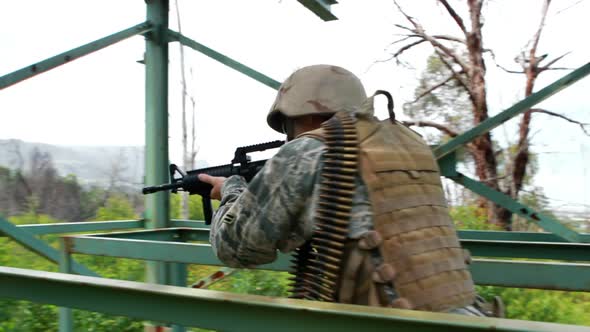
(178, 276)
(156, 61)
(66, 318)
(156, 140)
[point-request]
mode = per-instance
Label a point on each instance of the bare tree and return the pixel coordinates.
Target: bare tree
(463, 58)
(115, 173)
(188, 154)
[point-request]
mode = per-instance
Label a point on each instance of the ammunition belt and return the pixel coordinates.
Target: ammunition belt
(317, 264)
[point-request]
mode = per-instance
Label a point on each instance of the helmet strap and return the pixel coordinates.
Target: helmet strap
(288, 128)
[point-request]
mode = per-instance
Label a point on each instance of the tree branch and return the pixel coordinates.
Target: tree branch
(454, 15)
(545, 67)
(508, 70)
(560, 68)
(449, 38)
(500, 66)
(575, 4)
(406, 37)
(581, 124)
(419, 30)
(445, 129)
(407, 47)
(537, 36)
(431, 89)
(439, 126)
(413, 35)
(456, 74)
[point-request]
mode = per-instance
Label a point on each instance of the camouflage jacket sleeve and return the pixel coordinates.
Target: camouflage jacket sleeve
(272, 212)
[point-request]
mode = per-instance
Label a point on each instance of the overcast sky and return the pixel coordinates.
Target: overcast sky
(99, 99)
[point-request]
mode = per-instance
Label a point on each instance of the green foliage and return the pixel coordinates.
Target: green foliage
(175, 206)
(471, 217)
(448, 104)
(22, 316)
(32, 218)
(542, 305)
(99, 322)
(117, 208)
(195, 207)
(28, 317)
(260, 283)
(91, 200)
(527, 304)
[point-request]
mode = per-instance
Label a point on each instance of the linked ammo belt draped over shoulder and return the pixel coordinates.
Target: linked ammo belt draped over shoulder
(318, 262)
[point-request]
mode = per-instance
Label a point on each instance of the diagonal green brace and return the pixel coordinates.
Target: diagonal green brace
(321, 8)
(513, 111)
(41, 248)
(65, 57)
(258, 76)
(543, 221)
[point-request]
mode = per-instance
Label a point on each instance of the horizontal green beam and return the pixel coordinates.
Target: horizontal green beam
(566, 251)
(78, 227)
(37, 246)
(65, 57)
(526, 274)
(512, 111)
(536, 250)
(188, 223)
(515, 236)
(202, 254)
(539, 219)
(190, 253)
(233, 312)
(485, 248)
(463, 234)
(258, 76)
(162, 234)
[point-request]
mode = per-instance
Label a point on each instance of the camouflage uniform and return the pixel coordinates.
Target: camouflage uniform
(275, 211)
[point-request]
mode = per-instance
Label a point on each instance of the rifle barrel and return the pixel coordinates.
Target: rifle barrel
(162, 187)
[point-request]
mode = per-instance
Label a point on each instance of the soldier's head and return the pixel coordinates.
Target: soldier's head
(312, 95)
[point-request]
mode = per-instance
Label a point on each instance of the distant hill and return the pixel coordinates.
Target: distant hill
(92, 165)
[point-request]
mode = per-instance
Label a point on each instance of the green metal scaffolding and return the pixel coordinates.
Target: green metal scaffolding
(509, 259)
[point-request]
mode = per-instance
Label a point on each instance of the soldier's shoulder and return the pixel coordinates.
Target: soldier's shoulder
(302, 145)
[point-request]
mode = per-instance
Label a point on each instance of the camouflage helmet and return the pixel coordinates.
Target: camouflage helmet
(318, 89)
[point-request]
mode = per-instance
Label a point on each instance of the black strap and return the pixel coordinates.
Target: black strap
(389, 103)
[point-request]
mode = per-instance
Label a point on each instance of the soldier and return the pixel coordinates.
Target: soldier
(359, 201)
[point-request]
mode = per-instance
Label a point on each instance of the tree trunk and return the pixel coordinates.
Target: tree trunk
(485, 159)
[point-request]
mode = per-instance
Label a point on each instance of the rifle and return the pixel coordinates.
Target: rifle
(189, 181)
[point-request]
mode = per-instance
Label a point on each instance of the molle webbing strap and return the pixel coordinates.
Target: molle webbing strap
(318, 263)
(430, 269)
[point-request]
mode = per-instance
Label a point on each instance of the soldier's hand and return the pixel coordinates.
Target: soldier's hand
(216, 182)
